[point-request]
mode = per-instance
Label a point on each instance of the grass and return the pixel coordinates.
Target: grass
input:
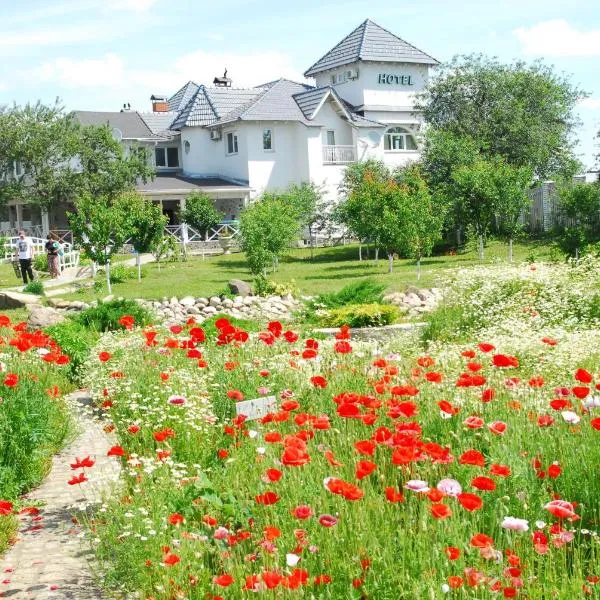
(329, 271)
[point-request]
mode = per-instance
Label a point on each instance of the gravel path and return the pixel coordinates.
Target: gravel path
(50, 559)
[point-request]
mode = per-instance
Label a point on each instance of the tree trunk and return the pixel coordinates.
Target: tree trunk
(138, 262)
(576, 254)
(390, 262)
(377, 255)
(312, 248)
(480, 247)
(93, 269)
(418, 269)
(360, 252)
(458, 240)
(510, 250)
(107, 269)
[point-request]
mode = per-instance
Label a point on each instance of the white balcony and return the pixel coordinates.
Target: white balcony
(338, 155)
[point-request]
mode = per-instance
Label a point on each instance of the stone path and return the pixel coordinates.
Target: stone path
(49, 559)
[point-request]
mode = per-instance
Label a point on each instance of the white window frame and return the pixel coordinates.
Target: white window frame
(235, 143)
(166, 165)
(328, 131)
(272, 148)
(401, 133)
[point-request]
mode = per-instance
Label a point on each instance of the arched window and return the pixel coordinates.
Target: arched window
(398, 138)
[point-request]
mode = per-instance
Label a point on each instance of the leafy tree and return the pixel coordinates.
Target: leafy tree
(422, 219)
(523, 113)
(103, 166)
(200, 213)
(101, 226)
(360, 209)
(312, 210)
(267, 228)
(513, 200)
(479, 196)
(43, 141)
(579, 217)
(148, 225)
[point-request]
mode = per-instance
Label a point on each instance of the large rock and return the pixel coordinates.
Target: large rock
(187, 301)
(239, 287)
(42, 317)
(17, 300)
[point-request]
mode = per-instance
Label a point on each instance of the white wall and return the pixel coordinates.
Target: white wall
(366, 90)
(329, 119)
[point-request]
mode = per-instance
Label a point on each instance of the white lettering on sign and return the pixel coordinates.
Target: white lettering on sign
(390, 79)
(257, 408)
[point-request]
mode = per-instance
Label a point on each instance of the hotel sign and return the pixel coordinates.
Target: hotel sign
(390, 79)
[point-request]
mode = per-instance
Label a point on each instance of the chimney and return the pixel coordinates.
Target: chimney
(159, 103)
(222, 81)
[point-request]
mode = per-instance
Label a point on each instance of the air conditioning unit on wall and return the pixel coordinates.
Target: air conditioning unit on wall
(352, 74)
(215, 134)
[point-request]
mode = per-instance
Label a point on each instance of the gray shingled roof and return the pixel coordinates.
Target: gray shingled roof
(165, 183)
(159, 123)
(129, 123)
(370, 42)
(180, 98)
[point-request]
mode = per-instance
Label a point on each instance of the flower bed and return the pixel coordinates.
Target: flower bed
(380, 473)
(34, 421)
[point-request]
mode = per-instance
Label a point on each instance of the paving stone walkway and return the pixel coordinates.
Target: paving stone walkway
(50, 558)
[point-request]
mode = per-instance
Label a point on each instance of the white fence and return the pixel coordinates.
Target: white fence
(338, 155)
(70, 257)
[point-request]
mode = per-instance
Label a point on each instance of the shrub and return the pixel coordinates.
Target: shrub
(105, 316)
(75, 340)
(34, 287)
(268, 287)
(367, 291)
(361, 315)
(40, 263)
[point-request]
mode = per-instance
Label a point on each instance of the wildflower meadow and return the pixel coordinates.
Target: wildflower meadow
(465, 465)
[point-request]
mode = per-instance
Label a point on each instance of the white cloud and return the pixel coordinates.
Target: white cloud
(52, 37)
(557, 38)
(593, 103)
(134, 5)
(67, 72)
(111, 71)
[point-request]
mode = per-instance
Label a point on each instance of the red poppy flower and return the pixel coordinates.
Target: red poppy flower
(348, 410)
(176, 519)
(480, 540)
(485, 347)
(318, 381)
(274, 474)
(497, 427)
(223, 580)
(505, 361)
(583, 376)
(127, 321)
(549, 341)
(116, 451)
(434, 377)
(454, 581)
(483, 483)
(6, 507)
(342, 347)
(11, 380)
(267, 498)
(470, 502)
(366, 447)
(452, 552)
(580, 391)
(83, 463)
(447, 408)
(560, 509)
(545, 420)
(595, 423)
(302, 512)
(327, 520)
(393, 495)
(77, 479)
(425, 361)
(440, 511)
(104, 356)
(309, 353)
(536, 382)
(364, 468)
(345, 489)
(472, 457)
(474, 422)
(170, 559)
(294, 457)
(554, 471)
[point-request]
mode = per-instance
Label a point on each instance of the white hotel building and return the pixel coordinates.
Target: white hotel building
(235, 143)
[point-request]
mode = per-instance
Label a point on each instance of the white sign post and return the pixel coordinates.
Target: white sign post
(257, 408)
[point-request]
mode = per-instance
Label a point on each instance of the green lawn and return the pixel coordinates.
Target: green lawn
(330, 270)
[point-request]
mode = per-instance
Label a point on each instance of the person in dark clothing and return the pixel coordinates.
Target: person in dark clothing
(24, 250)
(52, 248)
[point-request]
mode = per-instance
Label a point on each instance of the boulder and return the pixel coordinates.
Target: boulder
(411, 299)
(215, 301)
(17, 299)
(239, 287)
(187, 301)
(42, 317)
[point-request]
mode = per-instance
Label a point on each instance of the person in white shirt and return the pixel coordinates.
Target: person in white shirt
(24, 250)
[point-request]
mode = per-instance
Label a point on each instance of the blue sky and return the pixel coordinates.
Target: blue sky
(98, 54)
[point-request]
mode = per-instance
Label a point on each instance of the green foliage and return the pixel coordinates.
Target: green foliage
(120, 273)
(200, 213)
(40, 263)
(579, 217)
(447, 323)
(361, 315)
(212, 332)
(267, 229)
(367, 291)
(147, 223)
(267, 287)
(523, 113)
(76, 341)
(34, 287)
(167, 248)
(105, 316)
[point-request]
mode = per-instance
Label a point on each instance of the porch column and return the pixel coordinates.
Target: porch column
(45, 222)
(184, 227)
(19, 211)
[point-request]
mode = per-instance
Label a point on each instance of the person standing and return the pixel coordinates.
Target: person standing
(52, 248)
(24, 251)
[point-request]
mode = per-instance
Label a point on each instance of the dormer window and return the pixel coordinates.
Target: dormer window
(338, 78)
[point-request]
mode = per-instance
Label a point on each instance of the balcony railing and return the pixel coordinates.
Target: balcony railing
(338, 155)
